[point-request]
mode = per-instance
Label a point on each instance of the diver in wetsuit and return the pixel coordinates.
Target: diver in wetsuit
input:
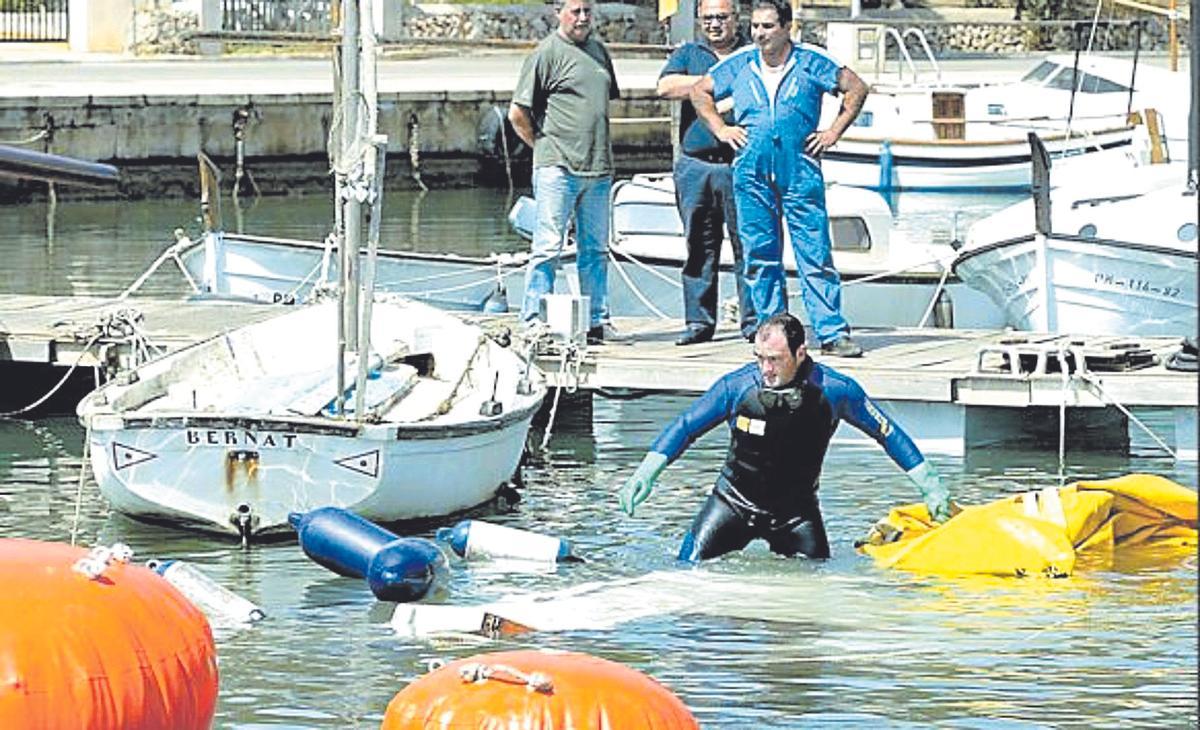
(781, 410)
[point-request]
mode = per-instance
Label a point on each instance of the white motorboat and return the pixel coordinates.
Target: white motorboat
(888, 280)
(237, 431)
(941, 136)
(1113, 254)
(388, 407)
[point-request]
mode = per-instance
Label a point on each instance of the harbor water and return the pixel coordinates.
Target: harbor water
(748, 641)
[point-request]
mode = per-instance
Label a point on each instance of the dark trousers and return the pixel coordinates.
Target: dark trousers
(704, 196)
(719, 528)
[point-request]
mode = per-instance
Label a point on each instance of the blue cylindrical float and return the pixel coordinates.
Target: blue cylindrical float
(339, 539)
(405, 569)
(396, 568)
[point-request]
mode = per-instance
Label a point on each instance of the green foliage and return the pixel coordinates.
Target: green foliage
(30, 6)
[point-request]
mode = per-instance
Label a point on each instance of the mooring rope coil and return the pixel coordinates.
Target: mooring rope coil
(476, 673)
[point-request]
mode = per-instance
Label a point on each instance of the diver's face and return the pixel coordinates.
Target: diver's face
(776, 362)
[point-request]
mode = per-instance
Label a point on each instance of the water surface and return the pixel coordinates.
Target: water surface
(748, 641)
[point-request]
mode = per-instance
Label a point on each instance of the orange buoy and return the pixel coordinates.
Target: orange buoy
(535, 690)
(123, 649)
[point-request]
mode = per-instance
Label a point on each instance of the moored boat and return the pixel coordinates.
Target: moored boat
(1117, 255)
(237, 431)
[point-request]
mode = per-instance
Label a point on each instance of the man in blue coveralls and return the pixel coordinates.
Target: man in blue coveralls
(782, 412)
(777, 88)
(703, 181)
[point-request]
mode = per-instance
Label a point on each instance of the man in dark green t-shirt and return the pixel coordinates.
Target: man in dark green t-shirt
(560, 109)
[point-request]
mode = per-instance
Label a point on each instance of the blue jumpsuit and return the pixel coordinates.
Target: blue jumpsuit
(774, 179)
(768, 485)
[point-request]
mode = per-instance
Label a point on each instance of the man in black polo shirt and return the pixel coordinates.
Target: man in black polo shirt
(703, 182)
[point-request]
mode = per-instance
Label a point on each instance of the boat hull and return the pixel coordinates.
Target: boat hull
(1060, 283)
(212, 474)
(952, 165)
(276, 270)
(234, 433)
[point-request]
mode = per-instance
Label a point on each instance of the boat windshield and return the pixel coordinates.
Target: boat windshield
(1090, 84)
(1040, 72)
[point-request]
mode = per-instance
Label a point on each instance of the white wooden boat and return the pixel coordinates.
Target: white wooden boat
(235, 432)
(1115, 254)
(940, 136)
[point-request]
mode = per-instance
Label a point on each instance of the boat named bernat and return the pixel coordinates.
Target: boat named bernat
(237, 431)
(378, 404)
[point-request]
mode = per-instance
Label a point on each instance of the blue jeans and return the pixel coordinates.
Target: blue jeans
(561, 196)
(764, 206)
(704, 196)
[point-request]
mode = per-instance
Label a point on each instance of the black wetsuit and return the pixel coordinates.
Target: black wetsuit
(768, 485)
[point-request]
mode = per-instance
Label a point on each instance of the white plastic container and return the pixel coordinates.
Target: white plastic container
(478, 539)
(217, 602)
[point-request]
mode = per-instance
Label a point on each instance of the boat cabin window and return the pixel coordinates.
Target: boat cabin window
(1090, 84)
(1087, 230)
(1040, 72)
(849, 234)
(995, 110)
(1187, 232)
(865, 118)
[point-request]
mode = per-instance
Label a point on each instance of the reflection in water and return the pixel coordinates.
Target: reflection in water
(749, 641)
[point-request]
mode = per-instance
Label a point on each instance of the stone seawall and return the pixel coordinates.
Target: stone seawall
(164, 27)
(153, 140)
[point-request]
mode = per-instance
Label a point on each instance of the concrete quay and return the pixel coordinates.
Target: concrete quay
(150, 117)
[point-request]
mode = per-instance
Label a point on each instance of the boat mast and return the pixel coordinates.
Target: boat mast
(1194, 113)
(343, 144)
(357, 157)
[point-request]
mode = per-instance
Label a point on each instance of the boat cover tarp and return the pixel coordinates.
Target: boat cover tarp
(1037, 533)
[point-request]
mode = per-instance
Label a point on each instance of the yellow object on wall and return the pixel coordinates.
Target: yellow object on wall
(667, 8)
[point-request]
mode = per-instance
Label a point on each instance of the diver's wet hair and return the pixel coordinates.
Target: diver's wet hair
(792, 329)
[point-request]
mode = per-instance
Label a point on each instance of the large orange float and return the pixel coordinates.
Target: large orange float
(536, 690)
(122, 650)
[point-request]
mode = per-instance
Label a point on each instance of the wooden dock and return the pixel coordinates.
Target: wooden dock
(953, 387)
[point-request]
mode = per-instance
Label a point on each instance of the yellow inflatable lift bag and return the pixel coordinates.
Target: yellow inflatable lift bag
(1037, 533)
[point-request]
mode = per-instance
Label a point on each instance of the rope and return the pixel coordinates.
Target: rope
(648, 268)
(633, 288)
(478, 673)
(1095, 382)
(61, 381)
(568, 371)
(444, 407)
(87, 448)
(414, 151)
(172, 251)
(1062, 418)
(30, 140)
(504, 144)
(936, 293)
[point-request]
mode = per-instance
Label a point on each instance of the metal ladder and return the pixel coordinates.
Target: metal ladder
(905, 57)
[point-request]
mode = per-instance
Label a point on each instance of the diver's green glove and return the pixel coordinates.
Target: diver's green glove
(639, 486)
(935, 494)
